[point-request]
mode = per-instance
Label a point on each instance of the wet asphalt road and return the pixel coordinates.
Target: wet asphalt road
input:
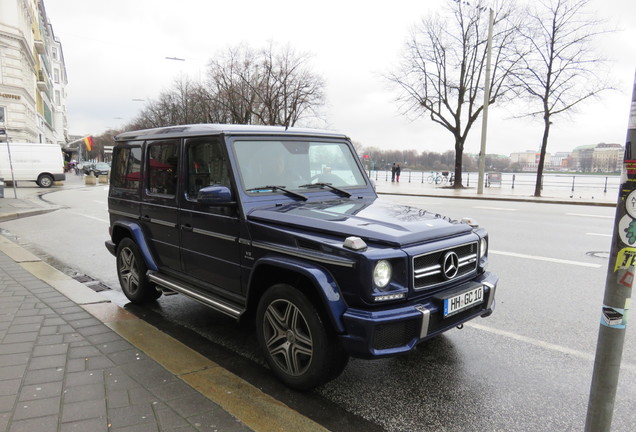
(527, 367)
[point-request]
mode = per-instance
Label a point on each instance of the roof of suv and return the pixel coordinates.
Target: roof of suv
(225, 129)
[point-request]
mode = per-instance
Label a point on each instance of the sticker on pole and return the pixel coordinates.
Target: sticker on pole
(613, 317)
(630, 204)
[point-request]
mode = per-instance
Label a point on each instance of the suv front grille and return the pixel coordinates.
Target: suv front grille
(428, 269)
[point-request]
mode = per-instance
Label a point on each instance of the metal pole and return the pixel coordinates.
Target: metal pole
(15, 191)
(618, 289)
(484, 122)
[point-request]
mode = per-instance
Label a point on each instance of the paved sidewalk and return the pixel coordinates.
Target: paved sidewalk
(72, 361)
(63, 369)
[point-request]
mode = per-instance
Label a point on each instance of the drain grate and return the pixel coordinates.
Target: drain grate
(98, 287)
(83, 278)
(91, 283)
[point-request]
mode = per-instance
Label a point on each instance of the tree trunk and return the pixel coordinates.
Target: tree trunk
(544, 146)
(459, 154)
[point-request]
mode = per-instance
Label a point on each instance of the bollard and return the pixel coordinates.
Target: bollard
(513, 181)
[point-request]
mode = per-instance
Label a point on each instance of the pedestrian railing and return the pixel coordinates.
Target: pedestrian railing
(566, 182)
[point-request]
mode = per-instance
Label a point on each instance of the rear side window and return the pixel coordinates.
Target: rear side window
(126, 168)
(162, 167)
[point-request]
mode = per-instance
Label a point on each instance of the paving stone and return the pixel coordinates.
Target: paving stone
(92, 409)
(37, 408)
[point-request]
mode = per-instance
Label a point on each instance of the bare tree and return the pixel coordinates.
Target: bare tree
(288, 89)
(272, 87)
(233, 80)
(186, 102)
(441, 74)
(562, 70)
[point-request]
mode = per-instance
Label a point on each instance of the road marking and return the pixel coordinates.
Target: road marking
(589, 215)
(598, 234)
(495, 208)
(542, 344)
(89, 216)
(540, 258)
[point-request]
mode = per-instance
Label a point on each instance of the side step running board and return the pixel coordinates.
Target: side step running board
(214, 303)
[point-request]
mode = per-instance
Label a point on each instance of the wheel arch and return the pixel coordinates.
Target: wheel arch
(315, 282)
(123, 229)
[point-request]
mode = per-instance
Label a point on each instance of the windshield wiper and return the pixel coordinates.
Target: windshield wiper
(329, 185)
(280, 188)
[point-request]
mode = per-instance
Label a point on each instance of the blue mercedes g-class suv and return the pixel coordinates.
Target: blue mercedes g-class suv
(284, 226)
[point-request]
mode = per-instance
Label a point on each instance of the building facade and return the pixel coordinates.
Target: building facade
(32, 75)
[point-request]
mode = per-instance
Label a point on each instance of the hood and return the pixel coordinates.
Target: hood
(370, 219)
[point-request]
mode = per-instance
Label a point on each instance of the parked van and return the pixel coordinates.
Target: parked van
(40, 163)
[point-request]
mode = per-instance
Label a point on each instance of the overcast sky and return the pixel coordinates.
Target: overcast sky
(116, 51)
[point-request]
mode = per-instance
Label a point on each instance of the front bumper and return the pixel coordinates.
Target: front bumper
(374, 334)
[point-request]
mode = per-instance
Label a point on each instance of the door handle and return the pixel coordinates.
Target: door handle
(145, 218)
(187, 227)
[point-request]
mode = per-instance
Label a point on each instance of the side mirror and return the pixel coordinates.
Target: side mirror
(215, 195)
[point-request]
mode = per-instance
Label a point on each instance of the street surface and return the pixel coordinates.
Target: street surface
(527, 367)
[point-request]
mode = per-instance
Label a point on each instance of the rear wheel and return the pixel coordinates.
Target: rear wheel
(131, 270)
(298, 345)
(45, 181)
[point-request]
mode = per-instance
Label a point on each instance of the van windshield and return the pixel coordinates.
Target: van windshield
(296, 165)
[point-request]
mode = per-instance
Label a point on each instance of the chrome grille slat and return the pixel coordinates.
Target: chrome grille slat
(427, 268)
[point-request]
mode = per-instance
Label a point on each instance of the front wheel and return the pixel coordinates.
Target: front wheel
(131, 271)
(45, 181)
(298, 346)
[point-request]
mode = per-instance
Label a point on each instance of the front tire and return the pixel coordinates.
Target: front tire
(45, 181)
(298, 346)
(131, 271)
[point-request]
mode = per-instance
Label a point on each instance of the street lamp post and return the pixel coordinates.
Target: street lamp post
(484, 124)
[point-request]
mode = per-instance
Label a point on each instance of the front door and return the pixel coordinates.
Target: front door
(209, 233)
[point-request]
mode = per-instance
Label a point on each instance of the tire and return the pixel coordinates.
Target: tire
(131, 271)
(45, 181)
(298, 346)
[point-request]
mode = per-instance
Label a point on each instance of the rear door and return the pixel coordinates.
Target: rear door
(159, 211)
(209, 233)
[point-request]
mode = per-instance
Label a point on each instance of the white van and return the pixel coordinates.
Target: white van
(41, 163)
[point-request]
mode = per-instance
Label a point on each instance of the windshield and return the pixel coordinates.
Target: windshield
(296, 165)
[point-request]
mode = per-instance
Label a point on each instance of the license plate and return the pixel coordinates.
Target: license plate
(464, 300)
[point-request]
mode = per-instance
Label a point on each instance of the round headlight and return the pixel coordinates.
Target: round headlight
(382, 273)
(483, 248)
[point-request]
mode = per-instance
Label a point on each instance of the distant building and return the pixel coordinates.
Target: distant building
(527, 161)
(32, 75)
(597, 158)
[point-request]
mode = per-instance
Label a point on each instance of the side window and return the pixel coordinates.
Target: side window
(163, 162)
(206, 165)
(126, 168)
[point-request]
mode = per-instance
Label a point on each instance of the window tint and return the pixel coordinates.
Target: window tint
(126, 167)
(206, 165)
(163, 162)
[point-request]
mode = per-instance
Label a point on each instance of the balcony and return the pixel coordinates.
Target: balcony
(39, 46)
(42, 81)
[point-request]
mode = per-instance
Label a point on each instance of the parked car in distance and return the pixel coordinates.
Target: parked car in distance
(96, 169)
(282, 227)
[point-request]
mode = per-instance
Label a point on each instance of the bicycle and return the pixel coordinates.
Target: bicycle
(435, 177)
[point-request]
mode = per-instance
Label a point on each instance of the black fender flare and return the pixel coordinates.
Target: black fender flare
(137, 234)
(323, 282)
